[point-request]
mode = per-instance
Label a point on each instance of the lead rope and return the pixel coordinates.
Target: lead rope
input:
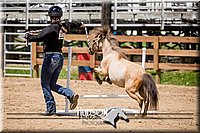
(88, 41)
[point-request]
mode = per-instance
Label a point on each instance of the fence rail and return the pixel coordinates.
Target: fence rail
(156, 52)
(168, 11)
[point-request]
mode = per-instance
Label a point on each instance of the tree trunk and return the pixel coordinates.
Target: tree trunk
(106, 13)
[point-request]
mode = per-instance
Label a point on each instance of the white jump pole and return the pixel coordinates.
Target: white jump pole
(143, 57)
(143, 62)
(68, 75)
(68, 70)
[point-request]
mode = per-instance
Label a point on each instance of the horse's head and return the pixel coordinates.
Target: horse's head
(95, 44)
(96, 36)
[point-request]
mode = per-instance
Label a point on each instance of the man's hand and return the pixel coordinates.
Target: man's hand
(82, 25)
(26, 35)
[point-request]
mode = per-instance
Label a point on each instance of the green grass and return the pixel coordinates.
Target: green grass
(12, 71)
(186, 78)
(18, 71)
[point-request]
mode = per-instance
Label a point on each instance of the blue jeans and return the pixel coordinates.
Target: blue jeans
(52, 65)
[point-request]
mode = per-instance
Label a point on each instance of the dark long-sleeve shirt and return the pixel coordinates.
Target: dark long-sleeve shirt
(50, 35)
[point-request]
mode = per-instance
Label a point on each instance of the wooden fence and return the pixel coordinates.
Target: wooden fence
(156, 52)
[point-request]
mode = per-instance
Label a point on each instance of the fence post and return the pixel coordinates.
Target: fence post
(35, 67)
(156, 60)
(2, 54)
(92, 61)
(106, 13)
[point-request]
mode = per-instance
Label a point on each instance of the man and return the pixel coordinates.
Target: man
(53, 59)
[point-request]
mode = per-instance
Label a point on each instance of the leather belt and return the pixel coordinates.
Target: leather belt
(53, 53)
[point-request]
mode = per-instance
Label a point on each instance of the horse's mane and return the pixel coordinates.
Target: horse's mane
(105, 32)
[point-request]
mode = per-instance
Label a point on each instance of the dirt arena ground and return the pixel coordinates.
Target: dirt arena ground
(23, 102)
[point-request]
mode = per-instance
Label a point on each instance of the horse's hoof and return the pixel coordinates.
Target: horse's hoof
(99, 81)
(143, 115)
(109, 82)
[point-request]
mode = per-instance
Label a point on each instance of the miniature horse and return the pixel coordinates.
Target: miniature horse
(118, 70)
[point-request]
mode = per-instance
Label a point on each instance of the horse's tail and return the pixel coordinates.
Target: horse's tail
(150, 90)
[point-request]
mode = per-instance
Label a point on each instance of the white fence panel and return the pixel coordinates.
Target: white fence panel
(17, 57)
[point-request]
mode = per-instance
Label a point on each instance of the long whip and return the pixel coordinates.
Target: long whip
(88, 41)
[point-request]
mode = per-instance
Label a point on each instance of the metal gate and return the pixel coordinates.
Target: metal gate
(17, 57)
